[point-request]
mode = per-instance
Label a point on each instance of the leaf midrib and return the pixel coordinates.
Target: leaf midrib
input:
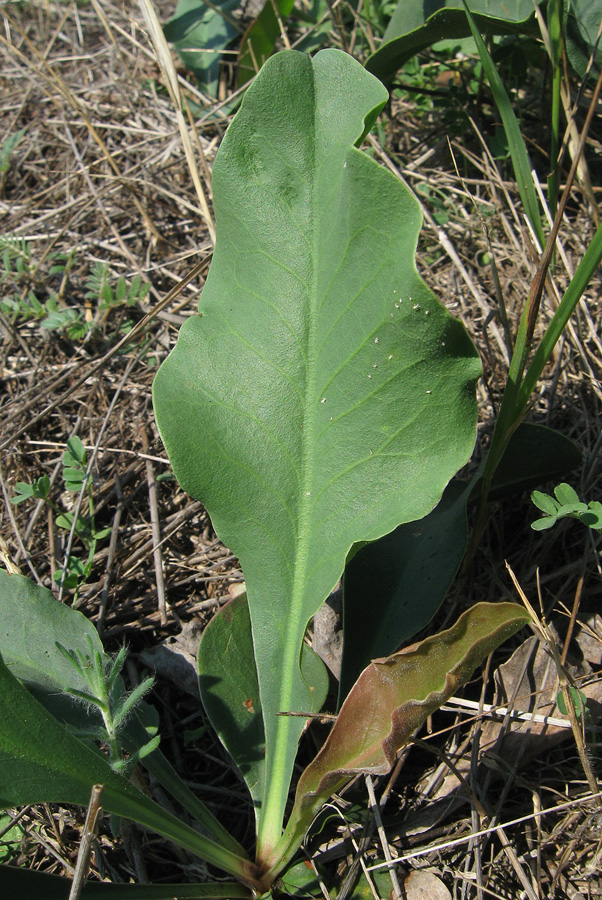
(277, 788)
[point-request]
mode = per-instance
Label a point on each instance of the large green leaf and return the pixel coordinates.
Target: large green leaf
(402, 579)
(230, 691)
(582, 24)
(390, 700)
(200, 32)
(323, 396)
(416, 25)
(41, 762)
(31, 622)
(535, 454)
(16, 882)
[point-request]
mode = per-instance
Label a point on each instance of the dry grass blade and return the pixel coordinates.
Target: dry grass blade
(169, 73)
(543, 632)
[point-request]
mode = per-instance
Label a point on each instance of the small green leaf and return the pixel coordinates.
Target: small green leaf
(121, 290)
(69, 581)
(135, 287)
(73, 478)
(545, 503)
(132, 700)
(579, 702)
(544, 524)
(76, 450)
(10, 841)
(593, 517)
(566, 495)
(41, 487)
(24, 492)
(144, 751)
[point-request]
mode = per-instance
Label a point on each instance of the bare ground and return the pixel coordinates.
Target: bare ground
(100, 177)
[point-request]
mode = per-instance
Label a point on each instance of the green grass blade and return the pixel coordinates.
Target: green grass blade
(574, 292)
(516, 144)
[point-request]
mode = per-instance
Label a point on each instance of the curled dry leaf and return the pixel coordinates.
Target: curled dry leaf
(392, 698)
(525, 683)
(424, 884)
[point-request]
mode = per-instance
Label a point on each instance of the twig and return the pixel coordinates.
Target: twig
(110, 558)
(467, 838)
(156, 533)
(85, 847)
(396, 893)
(166, 64)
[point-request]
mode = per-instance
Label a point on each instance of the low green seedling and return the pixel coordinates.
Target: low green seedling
(565, 504)
(7, 148)
(19, 270)
(17, 258)
(104, 693)
(100, 289)
(76, 480)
